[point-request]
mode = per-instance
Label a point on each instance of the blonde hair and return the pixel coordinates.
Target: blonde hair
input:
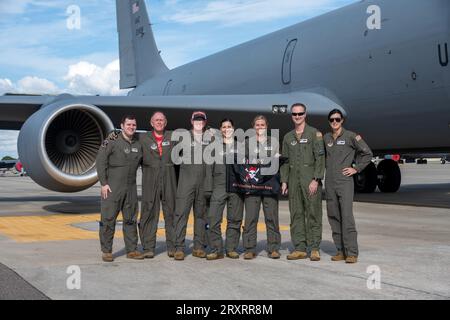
(260, 117)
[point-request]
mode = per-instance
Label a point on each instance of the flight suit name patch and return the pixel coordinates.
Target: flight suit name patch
(166, 143)
(303, 140)
(134, 150)
(341, 143)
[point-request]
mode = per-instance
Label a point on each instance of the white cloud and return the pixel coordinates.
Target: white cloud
(28, 84)
(36, 85)
(234, 12)
(88, 78)
(8, 143)
(13, 7)
(6, 86)
(82, 78)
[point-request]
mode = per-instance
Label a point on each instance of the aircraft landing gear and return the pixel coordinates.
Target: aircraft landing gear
(387, 176)
(366, 181)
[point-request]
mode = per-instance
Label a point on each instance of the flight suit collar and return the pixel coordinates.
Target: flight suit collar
(342, 133)
(133, 138)
(305, 131)
(166, 135)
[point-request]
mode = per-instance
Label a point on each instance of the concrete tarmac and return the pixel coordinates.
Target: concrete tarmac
(405, 236)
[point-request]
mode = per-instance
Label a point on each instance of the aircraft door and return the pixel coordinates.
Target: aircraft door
(287, 61)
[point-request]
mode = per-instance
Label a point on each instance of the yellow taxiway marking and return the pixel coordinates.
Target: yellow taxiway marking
(61, 227)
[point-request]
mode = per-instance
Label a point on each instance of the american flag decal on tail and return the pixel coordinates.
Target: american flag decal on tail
(135, 7)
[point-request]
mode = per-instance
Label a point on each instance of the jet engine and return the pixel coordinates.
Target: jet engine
(58, 145)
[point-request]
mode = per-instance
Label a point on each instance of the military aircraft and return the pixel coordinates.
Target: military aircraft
(8, 164)
(384, 63)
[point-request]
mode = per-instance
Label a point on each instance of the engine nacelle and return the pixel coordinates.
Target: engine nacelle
(58, 145)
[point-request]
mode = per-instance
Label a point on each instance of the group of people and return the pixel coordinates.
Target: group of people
(201, 186)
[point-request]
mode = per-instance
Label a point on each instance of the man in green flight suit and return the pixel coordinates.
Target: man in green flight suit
(159, 185)
(302, 177)
(117, 163)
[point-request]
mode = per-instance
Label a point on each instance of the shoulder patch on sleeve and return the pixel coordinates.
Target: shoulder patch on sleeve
(319, 134)
(358, 138)
(105, 143)
(113, 135)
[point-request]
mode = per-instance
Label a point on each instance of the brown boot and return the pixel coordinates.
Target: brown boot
(249, 255)
(148, 255)
(233, 255)
(107, 257)
(338, 257)
(274, 255)
(296, 255)
(135, 255)
(214, 256)
(171, 253)
(199, 253)
(351, 259)
(179, 255)
(315, 255)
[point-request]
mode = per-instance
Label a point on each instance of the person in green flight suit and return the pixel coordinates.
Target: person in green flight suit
(117, 163)
(263, 147)
(347, 155)
(159, 185)
(190, 192)
(301, 178)
(221, 198)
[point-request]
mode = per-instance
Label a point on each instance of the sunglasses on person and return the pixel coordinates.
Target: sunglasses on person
(298, 114)
(338, 120)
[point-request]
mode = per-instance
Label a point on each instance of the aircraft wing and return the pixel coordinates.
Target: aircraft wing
(60, 135)
(15, 109)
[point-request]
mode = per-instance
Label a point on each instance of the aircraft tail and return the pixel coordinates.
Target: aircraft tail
(139, 56)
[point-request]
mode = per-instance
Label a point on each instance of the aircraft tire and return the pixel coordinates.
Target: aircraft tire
(366, 181)
(389, 176)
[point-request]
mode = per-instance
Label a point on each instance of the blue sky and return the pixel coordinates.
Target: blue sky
(40, 54)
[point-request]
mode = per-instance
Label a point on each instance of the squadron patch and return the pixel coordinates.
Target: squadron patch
(330, 144)
(358, 138)
(126, 150)
(154, 146)
(294, 143)
(319, 135)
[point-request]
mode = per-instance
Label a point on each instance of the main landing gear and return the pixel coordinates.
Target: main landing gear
(386, 176)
